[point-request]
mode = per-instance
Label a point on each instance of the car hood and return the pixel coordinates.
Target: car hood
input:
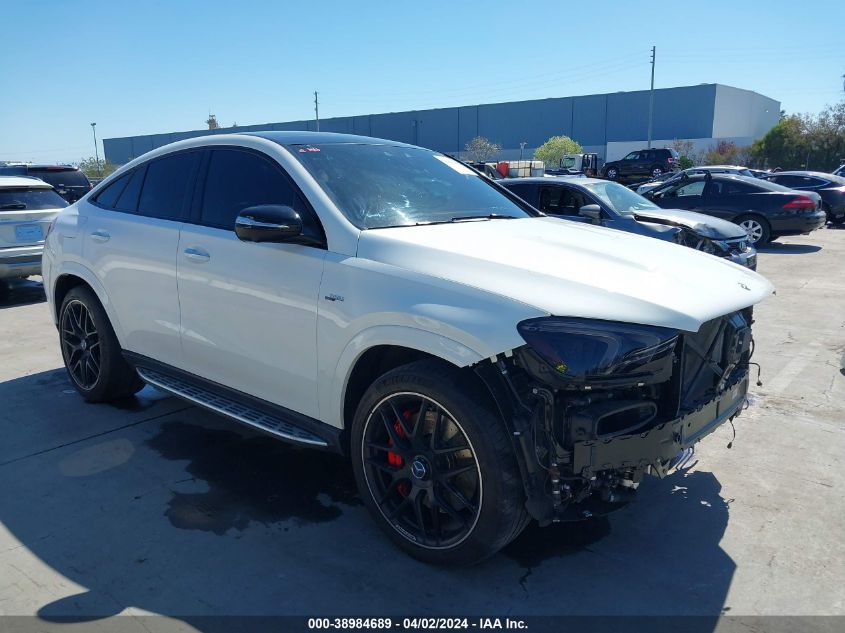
(700, 224)
(569, 269)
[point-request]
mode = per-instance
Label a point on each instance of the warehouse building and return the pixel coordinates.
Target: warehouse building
(609, 124)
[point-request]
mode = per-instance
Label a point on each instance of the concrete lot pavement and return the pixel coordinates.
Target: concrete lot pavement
(153, 506)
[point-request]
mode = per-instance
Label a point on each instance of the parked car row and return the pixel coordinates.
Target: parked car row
(764, 209)
(611, 205)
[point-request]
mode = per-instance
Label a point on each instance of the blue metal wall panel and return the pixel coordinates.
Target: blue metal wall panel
(438, 129)
(361, 125)
(396, 126)
(532, 122)
(684, 112)
(467, 125)
(593, 120)
(118, 150)
(589, 120)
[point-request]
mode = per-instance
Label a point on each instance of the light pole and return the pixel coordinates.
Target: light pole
(651, 95)
(96, 151)
(522, 147)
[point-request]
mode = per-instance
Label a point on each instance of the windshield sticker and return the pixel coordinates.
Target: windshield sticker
(457, 166)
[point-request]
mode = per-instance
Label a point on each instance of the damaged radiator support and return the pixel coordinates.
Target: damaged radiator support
(583, 450)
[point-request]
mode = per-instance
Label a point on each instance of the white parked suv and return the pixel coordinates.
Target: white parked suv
(480, 363)
(27, 207)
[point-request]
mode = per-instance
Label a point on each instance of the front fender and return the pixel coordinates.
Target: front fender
(333, 395)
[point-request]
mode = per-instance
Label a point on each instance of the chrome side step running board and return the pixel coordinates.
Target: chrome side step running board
(230, 408)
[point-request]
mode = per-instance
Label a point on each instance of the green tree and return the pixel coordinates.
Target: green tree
(481, 149)
(804, 141)
(556, 148)
(88, 166)
(686, 152)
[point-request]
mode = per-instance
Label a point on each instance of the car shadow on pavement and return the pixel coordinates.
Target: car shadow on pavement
(779, 248)
(19, 292)
(178, 512)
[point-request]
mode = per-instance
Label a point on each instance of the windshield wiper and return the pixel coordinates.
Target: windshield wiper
(12, 205)
(489, 216)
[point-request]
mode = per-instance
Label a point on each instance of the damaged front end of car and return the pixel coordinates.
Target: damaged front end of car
(738, 249)
(594, 406)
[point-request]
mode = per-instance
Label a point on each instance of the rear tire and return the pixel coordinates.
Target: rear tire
(757, 227)
(415, 428)
(656, 171)
(612, 173)
(90, 349)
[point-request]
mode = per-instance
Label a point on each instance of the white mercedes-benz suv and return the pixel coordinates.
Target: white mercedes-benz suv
(480, 363)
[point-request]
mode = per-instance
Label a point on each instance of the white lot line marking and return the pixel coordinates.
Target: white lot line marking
(792, 367)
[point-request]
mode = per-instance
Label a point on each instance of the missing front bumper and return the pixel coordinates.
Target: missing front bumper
(657, 446)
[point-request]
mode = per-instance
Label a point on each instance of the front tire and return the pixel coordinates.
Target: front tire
(435, 465)
(757, 227)
(90, 349)
(612, 173)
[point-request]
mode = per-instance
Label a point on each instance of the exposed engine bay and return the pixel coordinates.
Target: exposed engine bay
(595, 406)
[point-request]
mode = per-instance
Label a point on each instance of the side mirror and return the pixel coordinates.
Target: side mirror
(268, 223)
(592, 211)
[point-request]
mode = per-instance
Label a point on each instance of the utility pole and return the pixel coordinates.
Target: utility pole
(522, 147)
(317, 110)
(96, 151)
(651, 95)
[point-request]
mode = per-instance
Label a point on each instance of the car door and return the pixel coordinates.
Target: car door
(130, 241)
(249, 309)
(562, 201)
(643, 165)
(727, 198)
(627, 165)
(683, 195)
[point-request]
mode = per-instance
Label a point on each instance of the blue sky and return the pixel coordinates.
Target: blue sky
(151, 66)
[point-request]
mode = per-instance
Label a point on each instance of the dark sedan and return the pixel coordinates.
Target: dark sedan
(831, 188)
(764, 209)
(614, 206)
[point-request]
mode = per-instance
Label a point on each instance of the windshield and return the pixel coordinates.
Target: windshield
(377, 186)
(620, 199)
(567, 162)
(34, 199)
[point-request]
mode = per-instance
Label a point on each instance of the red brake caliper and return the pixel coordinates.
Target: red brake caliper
(395, 459)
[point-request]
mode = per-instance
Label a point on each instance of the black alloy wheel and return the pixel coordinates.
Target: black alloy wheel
(421, 470)
(80, 345)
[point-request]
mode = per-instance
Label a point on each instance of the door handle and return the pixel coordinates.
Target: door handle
(196, 255)
(100, 235)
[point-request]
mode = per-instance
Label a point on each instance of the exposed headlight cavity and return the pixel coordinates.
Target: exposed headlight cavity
(587, 351)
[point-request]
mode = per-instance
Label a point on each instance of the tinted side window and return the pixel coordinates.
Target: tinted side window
(692, 189)
(108, 196)
(166, 186)
(729, 188)
(523, 191)
(128, 200)
(236, 180)
(788, 181)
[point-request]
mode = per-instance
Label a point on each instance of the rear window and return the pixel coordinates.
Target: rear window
(767, 185)
(30, 199)
(61, 177)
